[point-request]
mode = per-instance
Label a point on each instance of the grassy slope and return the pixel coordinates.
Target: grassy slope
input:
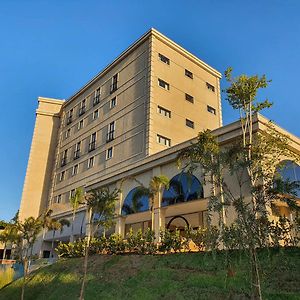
(176, 276)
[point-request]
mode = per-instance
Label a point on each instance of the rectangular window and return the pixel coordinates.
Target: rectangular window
(189, 98)
(82, 107)
(110, 132)
(80, 124)
(109, 153)
(72, 193)
(75, 170)
(211, 109)
(164, 59)
(164, 111)
(62, 175)
(210, 87)
(163, 140)
(114, 83)
(163, 84)
(92, 144)
(113, 102)
(64, 158)
(58, 199)
(91, 162)
(70, 116)
(77, 150)
(67, 133)
(97, 94)
(188, 74)
(189, 123)
(96, 114)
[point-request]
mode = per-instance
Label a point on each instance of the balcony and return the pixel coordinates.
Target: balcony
(92, 146)
(110, 136)
(96, 100)
(113, 87)
(76, 154)
(69, 120)
(81, 111)
(63, 161)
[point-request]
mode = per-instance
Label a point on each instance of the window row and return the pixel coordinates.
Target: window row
(187, 72)
(95, 99)
(90, 164)
(165, 85)
(110, 136)
(95, 115)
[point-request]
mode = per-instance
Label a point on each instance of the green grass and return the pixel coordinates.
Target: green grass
(174, 276)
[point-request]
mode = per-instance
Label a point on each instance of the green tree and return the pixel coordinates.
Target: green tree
(100, 208)
(28, 230)
(75, 201)
(54, 226)
(250, 162)
(154, 192)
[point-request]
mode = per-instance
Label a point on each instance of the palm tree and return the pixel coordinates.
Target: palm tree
(54, 226)
(46, 221)
(153, 192)
(28, 231)
(75, 201)
(100, 205)
(7, 236)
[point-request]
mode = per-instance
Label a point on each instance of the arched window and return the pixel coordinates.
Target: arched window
(134, 204)
(183, 188)
(289, 171)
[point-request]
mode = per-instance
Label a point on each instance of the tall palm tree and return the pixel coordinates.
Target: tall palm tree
(54, 226)
(28, 230)
(100, 206)
(46, 221)
(75, 201)
(154, 192)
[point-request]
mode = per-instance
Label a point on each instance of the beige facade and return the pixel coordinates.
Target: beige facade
(131, 120)
(153, 96)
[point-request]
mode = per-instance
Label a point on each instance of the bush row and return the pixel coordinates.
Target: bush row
(200, 239)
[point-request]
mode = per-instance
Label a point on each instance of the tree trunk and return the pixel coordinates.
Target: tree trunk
(72, 229)
(25, 264)
(85, 262)
(4, 251)
(52, 244)
(256, 287)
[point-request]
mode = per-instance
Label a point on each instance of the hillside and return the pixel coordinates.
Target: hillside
(174, 276)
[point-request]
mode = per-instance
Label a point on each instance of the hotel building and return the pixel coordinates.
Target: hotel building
(129, 121)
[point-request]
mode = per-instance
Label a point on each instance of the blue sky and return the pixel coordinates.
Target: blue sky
(52, 48)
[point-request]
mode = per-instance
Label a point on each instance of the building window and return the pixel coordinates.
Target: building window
(70, 116)
(210, 87)
(80, 124)
(189, 123)
(211, 109)
(96, 114)
(64, 158)
(82, 107)
(164, 59)
(58, 199)
(62, 175)
(110, 132)
(164, 112)
(67, 133)
(163, 84)
(113, 102)
(163, 140)
(188, 74)
(189, 98)
(109, 153)
(77, 150)
(96, 99)
(92, 144)
(91, 162)
(75, 170)
(72, 193)
(114, 83)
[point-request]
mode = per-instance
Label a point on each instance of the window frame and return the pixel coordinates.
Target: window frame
(188, 74)
(164, 59)
(109, 150)
(166, 86)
